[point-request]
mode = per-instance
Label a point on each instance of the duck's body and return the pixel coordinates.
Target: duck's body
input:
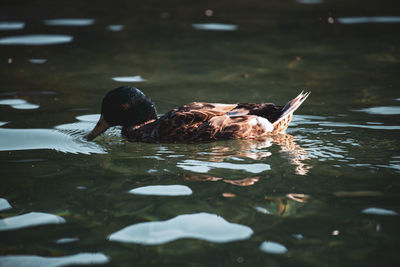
(199, 121)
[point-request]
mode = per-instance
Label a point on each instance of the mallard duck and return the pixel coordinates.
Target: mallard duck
(197, 121)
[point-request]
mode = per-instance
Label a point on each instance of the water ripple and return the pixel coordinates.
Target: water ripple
(18, 103)
(356, 20)
(273, 247)
(132, 79)
(204, 226)
(204, 166)
(69, 22)
(11, 25)
(37, 60)
(378, 211)
(29, 220)
(162, 190)
(115, 28)
(4, 205)
(38, 261)
(391, 110)
(36, 39)
(215, 27)
(28, 139)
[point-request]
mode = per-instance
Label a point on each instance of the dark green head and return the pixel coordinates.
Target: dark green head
(125, 106)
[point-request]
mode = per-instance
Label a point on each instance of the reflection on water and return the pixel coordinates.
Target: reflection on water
(18, 103)
(204, 226)
(379, 211)
(29, 220)
(67, 240)
(355, 20)
(11, 25)
(37, 60)
(215, 27)
(69, 22)
(36, 39)
(133, 79)
(4, 205)
(66, 138)
(115, 28)
(28, 139)
(333, 214)
(273, 247)
(283, 205)
(204, 166)
(381, 110)
(162, 190)
(37, 261)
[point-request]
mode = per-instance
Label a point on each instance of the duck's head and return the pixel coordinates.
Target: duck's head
(125, 106)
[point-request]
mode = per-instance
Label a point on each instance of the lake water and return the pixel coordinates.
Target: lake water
(327, 193)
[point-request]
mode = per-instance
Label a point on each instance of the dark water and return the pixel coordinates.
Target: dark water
(327, 193)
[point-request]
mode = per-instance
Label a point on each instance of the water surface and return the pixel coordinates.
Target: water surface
(325, 193)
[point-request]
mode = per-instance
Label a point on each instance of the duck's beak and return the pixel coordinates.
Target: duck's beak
(100, 128)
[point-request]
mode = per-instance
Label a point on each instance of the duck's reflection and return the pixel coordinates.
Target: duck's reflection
(294, 153)
(256, 150)
(284, 205)
(239, 182)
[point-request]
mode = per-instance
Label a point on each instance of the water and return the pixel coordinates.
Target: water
(327, 193)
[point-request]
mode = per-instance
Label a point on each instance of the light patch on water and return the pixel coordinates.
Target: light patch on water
(38, 261)
(29, 220)
(29, 139)
(153, 157)
(89, 117)
(204, 226)
(37, 60)
(69, 22)
(3, 123)
(381, 110)
(36, 39)
(4, 205)
(298, 236)
(162, 190)
(215, 27)
(205, 166)
(356, 20)
(133, 79)
(67, 240)
(262, 210)
(309, 2)
(273, 247)
(378, 211)
(374, 123)
(306, 119)
(18, 103)
(374, 127)
(115, 28)
(11, 25)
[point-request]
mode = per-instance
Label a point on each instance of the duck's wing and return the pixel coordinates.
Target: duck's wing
(217, 108)
(179, 124)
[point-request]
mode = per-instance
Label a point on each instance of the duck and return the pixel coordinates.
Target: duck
(130, 108)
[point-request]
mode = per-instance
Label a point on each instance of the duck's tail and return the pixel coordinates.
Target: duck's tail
(283, 121)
